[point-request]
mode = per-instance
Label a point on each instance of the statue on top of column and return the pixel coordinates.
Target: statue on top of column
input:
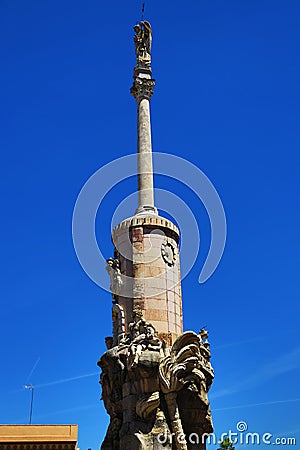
(143, 41)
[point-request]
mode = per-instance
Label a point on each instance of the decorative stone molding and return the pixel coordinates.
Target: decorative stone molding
(136, 221)
(142, 88)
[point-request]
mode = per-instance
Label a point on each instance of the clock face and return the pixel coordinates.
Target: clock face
(168, 253)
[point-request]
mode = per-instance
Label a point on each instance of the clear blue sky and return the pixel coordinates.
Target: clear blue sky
(227, 99)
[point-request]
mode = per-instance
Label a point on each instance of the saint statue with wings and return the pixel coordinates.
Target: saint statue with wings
(143, 41)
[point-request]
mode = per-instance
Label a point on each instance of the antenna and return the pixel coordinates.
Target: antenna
(31, 388)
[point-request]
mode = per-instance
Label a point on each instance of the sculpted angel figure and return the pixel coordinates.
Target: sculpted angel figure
(143, 41)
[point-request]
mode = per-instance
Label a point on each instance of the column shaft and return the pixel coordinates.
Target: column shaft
(145, 167)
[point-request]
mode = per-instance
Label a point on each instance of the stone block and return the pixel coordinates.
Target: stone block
(156, 315)
(170, 296)
(172, 320)
(171, 306)
(155, 273)
(137, 247)
(155, 303)
(153, 293)
(160, 326)
(177, 309)
(137, 234)
(138, 269)
(171, 284)
(151, 258)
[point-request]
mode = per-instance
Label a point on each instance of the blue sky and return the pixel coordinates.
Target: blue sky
(227, 99)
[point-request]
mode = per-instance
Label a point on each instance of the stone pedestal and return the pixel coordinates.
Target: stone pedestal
(156, 396)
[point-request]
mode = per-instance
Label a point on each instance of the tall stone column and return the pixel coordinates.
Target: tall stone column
(142, 90)
(155, 377)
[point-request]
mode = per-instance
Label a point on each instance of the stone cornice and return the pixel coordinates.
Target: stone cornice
(138, 221)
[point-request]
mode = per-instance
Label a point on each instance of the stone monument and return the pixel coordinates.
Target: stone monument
(155, 377)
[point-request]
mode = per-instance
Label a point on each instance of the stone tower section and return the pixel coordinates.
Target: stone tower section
(146, 245)
(147, 250)
(155, 377)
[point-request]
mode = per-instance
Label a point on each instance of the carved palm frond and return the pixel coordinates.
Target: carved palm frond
(175, 370)
(182, 367)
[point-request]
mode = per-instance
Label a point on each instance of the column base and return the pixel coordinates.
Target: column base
(146, 210)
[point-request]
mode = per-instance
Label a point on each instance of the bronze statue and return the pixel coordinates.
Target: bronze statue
(143, 41)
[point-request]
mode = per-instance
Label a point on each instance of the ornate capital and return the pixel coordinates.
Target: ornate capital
(142, 88)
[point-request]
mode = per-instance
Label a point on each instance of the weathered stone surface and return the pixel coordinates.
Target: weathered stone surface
(151, 390)
(143, 277)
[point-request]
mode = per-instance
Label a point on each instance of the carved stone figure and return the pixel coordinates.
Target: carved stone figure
(114, 272)
(143, 41)
(149, 394)
(141, 337)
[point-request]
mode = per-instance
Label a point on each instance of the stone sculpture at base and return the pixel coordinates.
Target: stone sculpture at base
(156, 396)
